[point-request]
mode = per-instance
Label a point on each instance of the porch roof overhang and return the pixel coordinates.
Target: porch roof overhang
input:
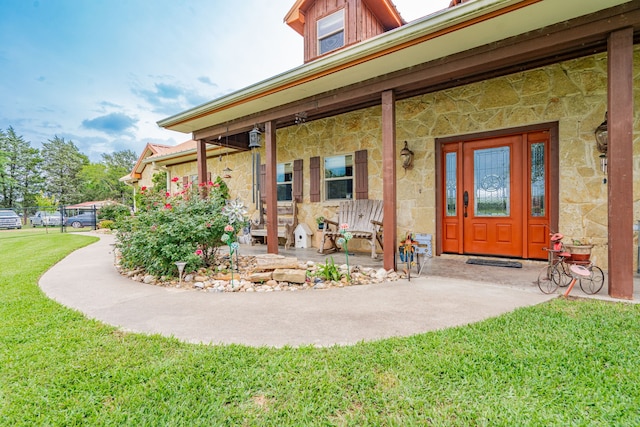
(419, 57)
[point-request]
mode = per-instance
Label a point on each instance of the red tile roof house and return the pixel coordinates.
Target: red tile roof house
(496, 100)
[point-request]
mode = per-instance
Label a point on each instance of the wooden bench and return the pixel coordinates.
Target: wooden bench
(287, 223)
(364, 218)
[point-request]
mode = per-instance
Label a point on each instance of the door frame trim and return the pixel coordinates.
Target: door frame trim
(554, 168)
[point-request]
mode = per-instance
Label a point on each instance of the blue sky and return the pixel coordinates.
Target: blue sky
(102, 72)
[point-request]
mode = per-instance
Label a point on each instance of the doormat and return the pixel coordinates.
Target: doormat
(495, 263)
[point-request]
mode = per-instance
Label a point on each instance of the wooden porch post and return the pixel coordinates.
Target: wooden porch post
(620, 163)
(389, 221)
(270, 190)
(201, 152)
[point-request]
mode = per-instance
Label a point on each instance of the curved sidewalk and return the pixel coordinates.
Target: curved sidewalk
(86, 280)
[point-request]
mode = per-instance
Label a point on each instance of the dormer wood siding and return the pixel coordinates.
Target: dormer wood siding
(363, 19)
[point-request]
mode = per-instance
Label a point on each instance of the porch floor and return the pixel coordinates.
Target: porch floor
(451, 266)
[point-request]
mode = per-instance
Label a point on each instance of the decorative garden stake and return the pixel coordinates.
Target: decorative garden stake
(180, 265)
(344, 242)
(227, 238)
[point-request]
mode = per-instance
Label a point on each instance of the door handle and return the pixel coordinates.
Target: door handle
(465, 200)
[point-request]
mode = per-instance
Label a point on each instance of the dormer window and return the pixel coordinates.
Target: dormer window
(331, 32)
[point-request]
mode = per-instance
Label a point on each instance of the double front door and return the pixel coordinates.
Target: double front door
(495, 195)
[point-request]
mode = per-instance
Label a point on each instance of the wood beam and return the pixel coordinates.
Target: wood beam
(389, 238)
(620, 163)
(201, 152)
(271, 190)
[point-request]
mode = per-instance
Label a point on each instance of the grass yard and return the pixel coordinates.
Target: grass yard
(568, 362)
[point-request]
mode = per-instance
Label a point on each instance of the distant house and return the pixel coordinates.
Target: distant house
(497, 101)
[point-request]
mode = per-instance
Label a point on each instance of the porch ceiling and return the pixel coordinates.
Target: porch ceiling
(389, 58)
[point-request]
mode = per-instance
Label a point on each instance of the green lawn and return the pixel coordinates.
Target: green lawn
(562, 363)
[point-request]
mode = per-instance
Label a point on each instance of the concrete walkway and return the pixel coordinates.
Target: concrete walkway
(86, 280)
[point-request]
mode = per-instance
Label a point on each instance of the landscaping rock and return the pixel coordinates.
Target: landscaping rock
(290, 275)
(260, 277)
(273, 262)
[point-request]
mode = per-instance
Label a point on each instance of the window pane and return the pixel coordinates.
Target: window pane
(284, 192)
(451, 184)
(538, 179)
(284, 172)
(340, 189)
(492, 181)
(330, 24)
(338, 167)
(331, 42)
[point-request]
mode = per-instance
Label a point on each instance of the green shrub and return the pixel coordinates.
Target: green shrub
(106, 223)
(179, 227)
(114, 212)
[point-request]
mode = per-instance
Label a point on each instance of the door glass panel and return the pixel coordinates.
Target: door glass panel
(538, 180)
(492, 181)
(451, 183)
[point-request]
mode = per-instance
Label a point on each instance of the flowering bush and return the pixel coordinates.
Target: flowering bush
(175, 227)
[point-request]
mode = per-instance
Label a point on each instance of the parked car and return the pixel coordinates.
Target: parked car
(9, 219)
(85, 219)
(46, 218)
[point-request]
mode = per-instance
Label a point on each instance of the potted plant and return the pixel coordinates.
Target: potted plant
(580, 250)
(320, 222)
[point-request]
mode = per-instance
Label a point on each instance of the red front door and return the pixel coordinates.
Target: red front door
(495, 196)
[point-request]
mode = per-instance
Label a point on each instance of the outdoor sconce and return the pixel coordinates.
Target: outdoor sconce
(406, 156)
(602, 142)
(602, 135)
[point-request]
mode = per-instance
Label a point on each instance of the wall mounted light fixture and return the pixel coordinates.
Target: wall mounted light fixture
(602, 135)
(406, 156)
(602, 142)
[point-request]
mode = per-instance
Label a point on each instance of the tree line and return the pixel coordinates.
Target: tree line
(60, 172)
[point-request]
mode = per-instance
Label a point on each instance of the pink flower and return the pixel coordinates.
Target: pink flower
(198, 252)
(174, 179)
(168, 206)
(210, 184)
(144, 188)
(202, 184)
(167, 194)
(344, 226)
(228, 227)
(206, 224)
(215, 185)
